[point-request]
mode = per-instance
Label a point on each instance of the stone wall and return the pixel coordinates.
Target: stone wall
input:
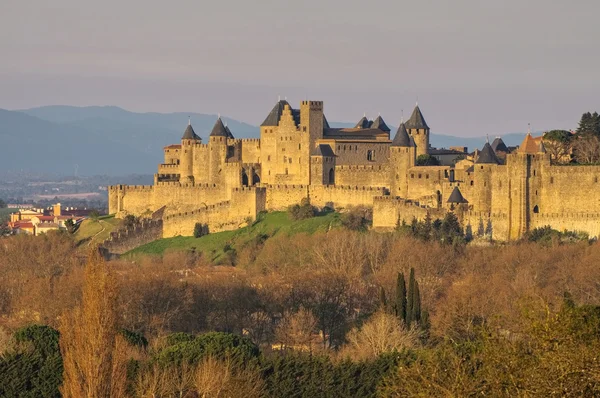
(123, 240)
(363, 175)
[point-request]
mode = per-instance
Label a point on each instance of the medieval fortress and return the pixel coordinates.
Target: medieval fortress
(226, 182)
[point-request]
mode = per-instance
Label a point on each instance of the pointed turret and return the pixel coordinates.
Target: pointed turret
(456, 197)
(219, 129)
(417, 121)
(363, 123)
(499, 146)
(229, 133)
(380, 124)
(189, 133)
(529, 145)
(402, 138)
(487, 155)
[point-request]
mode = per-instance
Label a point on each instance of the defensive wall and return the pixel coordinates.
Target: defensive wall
(125, 239)
(363, 175)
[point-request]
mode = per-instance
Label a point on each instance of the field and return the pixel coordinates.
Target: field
(215, 245)
(5, 214)
(95, 231)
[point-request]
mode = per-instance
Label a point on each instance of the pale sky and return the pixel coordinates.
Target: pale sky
(476, 66)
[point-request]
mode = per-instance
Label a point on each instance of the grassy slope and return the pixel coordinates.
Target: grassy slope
(5, 214)
(269, 224)
(96, 231)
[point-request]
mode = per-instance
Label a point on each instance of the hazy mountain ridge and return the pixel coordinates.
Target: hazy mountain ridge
(113, 141)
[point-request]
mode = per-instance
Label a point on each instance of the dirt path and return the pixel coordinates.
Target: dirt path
(103, 229)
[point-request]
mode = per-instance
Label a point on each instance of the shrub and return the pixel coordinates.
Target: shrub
(357, 219)
(200, 230)
(302, 211)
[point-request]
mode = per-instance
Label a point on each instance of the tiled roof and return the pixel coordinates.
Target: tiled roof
(529, 145)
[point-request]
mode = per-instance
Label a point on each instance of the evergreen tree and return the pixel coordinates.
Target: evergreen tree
(426, 228)
(416, 307)
(382, 299)
(410, 298)
(401, 298)
(589, 124)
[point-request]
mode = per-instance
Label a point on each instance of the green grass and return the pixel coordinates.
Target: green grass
(96, 231)
(5, 214)
(268, 224)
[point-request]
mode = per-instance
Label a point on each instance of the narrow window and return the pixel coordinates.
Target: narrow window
(471, 182)
(370, 155)
(427, 176)
(551, 180)
(419, 175)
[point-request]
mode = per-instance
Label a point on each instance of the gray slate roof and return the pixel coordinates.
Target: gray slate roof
(325, 122)
(499, 145)
(402, 138)
(219, 129)
(363, 123)
(275, 114)
(417, 121)
(322, 150)
(378, 123)
(189, 133)
(229, 133)
(456, 197)
(487, 155)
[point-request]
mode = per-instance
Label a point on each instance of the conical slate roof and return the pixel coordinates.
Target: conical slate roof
(189, 133)
(275, 114)
(401, 138)
(380, 124)
(219, 129)
(229, 133)
(363, 123)
(456, 197)
(417, 121)
(499, 146)
(487, 155)
(325, 122)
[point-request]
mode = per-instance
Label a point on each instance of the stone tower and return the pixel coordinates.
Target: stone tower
(322, 165)
(217, 144)
(311, 119)
(402, 158)
(419, 130)
(189, 139)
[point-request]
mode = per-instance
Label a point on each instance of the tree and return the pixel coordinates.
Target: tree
(71, 226)
(400, 305)
(301, 211)
(589, 124)
(89, 343)
(382, 333)
(586, 148)
(2, 204)
(558, 145)
(200, 229)
(427, 160)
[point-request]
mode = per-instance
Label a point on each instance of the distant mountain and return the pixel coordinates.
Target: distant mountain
(113, 141)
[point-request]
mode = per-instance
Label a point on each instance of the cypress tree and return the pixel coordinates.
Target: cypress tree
(401, 298)
(416, 308)
(410, 297)
(382, 299)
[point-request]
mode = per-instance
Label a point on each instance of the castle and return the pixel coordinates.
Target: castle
(226, 182)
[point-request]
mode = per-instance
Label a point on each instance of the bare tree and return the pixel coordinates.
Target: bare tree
(383, 332)
(88, 342)
(296, 330)
(220, 379)
(587, 148)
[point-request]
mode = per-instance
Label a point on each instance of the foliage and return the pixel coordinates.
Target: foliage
(35, 368)
(2, 204)
(217, 344)
(558, 145)
(447, 231)
(301, 211)
(303, 375)
(71, 226)
(427, 160)
(94, 215)
(200, 230)
(589, 124)
(357, 218)
(546, 235)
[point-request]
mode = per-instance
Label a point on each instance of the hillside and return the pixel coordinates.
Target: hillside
(113, 141)
(215, 246)
(93, 232)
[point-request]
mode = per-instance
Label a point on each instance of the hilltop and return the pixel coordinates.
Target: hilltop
(113, 141)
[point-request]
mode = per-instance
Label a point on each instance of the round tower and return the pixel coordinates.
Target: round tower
(217, 143)
(419, 130)
(186, 160)
(402, 158)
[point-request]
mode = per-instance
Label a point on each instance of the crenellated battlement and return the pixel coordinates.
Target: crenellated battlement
(209, 208)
